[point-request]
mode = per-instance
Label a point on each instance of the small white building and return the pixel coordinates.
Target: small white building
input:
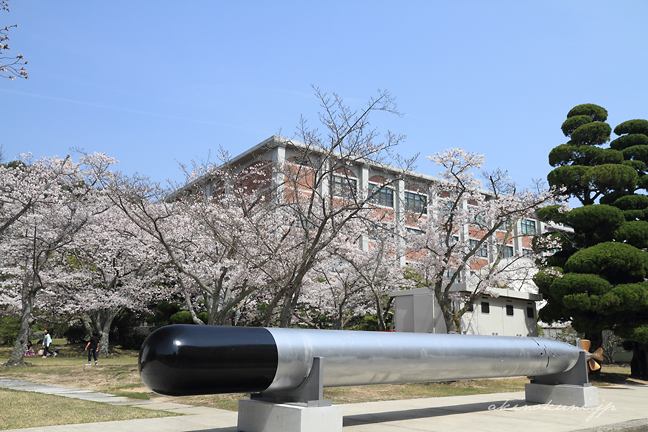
(511, 313)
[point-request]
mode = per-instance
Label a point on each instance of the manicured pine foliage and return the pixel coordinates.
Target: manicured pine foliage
(597, 277)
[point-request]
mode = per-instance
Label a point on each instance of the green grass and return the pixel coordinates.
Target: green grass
(26, 409)
(134, 395)
(611, 375)
(342, 395)
(616, 370)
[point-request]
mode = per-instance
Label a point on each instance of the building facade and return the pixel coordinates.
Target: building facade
(401, 197)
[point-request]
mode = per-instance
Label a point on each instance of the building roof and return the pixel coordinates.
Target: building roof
(501, 292)
(276, 141)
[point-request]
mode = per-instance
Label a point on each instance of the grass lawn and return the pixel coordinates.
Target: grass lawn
(26, 409)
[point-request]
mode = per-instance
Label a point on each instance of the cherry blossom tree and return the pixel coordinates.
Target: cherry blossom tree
(187, 230)
(10, 67)
(469, 232)
(211, 269)
(115, 269)
(314, 196)
(32, 243)
(379, 269)
(24, 183)
(332, 292)
(363, 266)
(278, 217)
(330, 296)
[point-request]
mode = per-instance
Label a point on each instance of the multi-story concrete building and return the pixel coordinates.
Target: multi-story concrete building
(402, 196)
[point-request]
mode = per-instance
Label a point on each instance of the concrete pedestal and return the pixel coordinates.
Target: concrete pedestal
(562, 394)
(261, 416)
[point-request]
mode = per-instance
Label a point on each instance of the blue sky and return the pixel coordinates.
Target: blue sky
(154, 83)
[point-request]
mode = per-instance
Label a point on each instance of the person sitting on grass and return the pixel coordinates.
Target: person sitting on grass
(29, 352)
(92, 347)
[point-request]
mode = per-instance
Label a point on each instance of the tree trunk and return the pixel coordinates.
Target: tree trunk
(20, 346)
(639, 363)
(448, 316)
(379, 311)
(338, 322)
(104, 340)
(210, 304)
(456, 318)
(271, 307)
(289, 307)
(87, 324)
(100, 322)
(28, 296)
(382, 311)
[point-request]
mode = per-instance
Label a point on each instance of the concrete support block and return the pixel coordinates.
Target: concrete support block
(562, 394)
(261, 416)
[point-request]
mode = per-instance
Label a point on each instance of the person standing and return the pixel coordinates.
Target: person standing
(47, 341)
(92, 347)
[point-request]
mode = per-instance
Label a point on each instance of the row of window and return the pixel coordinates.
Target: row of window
(485, 309)
(482, 252)
(414, 202)
(347, 187)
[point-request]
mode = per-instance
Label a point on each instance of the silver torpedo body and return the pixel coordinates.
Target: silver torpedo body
(362, 358)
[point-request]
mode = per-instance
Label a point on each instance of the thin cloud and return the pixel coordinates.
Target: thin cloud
(127, 110)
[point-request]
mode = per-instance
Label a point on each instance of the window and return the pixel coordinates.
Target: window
(449, 274)
(415, 203)
(308, 225)
(528, 227)
(300, 160)
(344, 186)
(454, 240)
(485, 307)
(530, 312)
(505, 226)
(478, 216)
(383, 196)
(508, 252)
(415, 231)
(218, 191)
(338, 267)
(446, 209)
(509, 310)
(481, 252)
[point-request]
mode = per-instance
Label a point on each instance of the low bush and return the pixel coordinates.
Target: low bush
(75, 333)
(134, 338)
(9, 326)
(184, 317)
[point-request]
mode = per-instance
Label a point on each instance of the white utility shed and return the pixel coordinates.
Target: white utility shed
(511, 313)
